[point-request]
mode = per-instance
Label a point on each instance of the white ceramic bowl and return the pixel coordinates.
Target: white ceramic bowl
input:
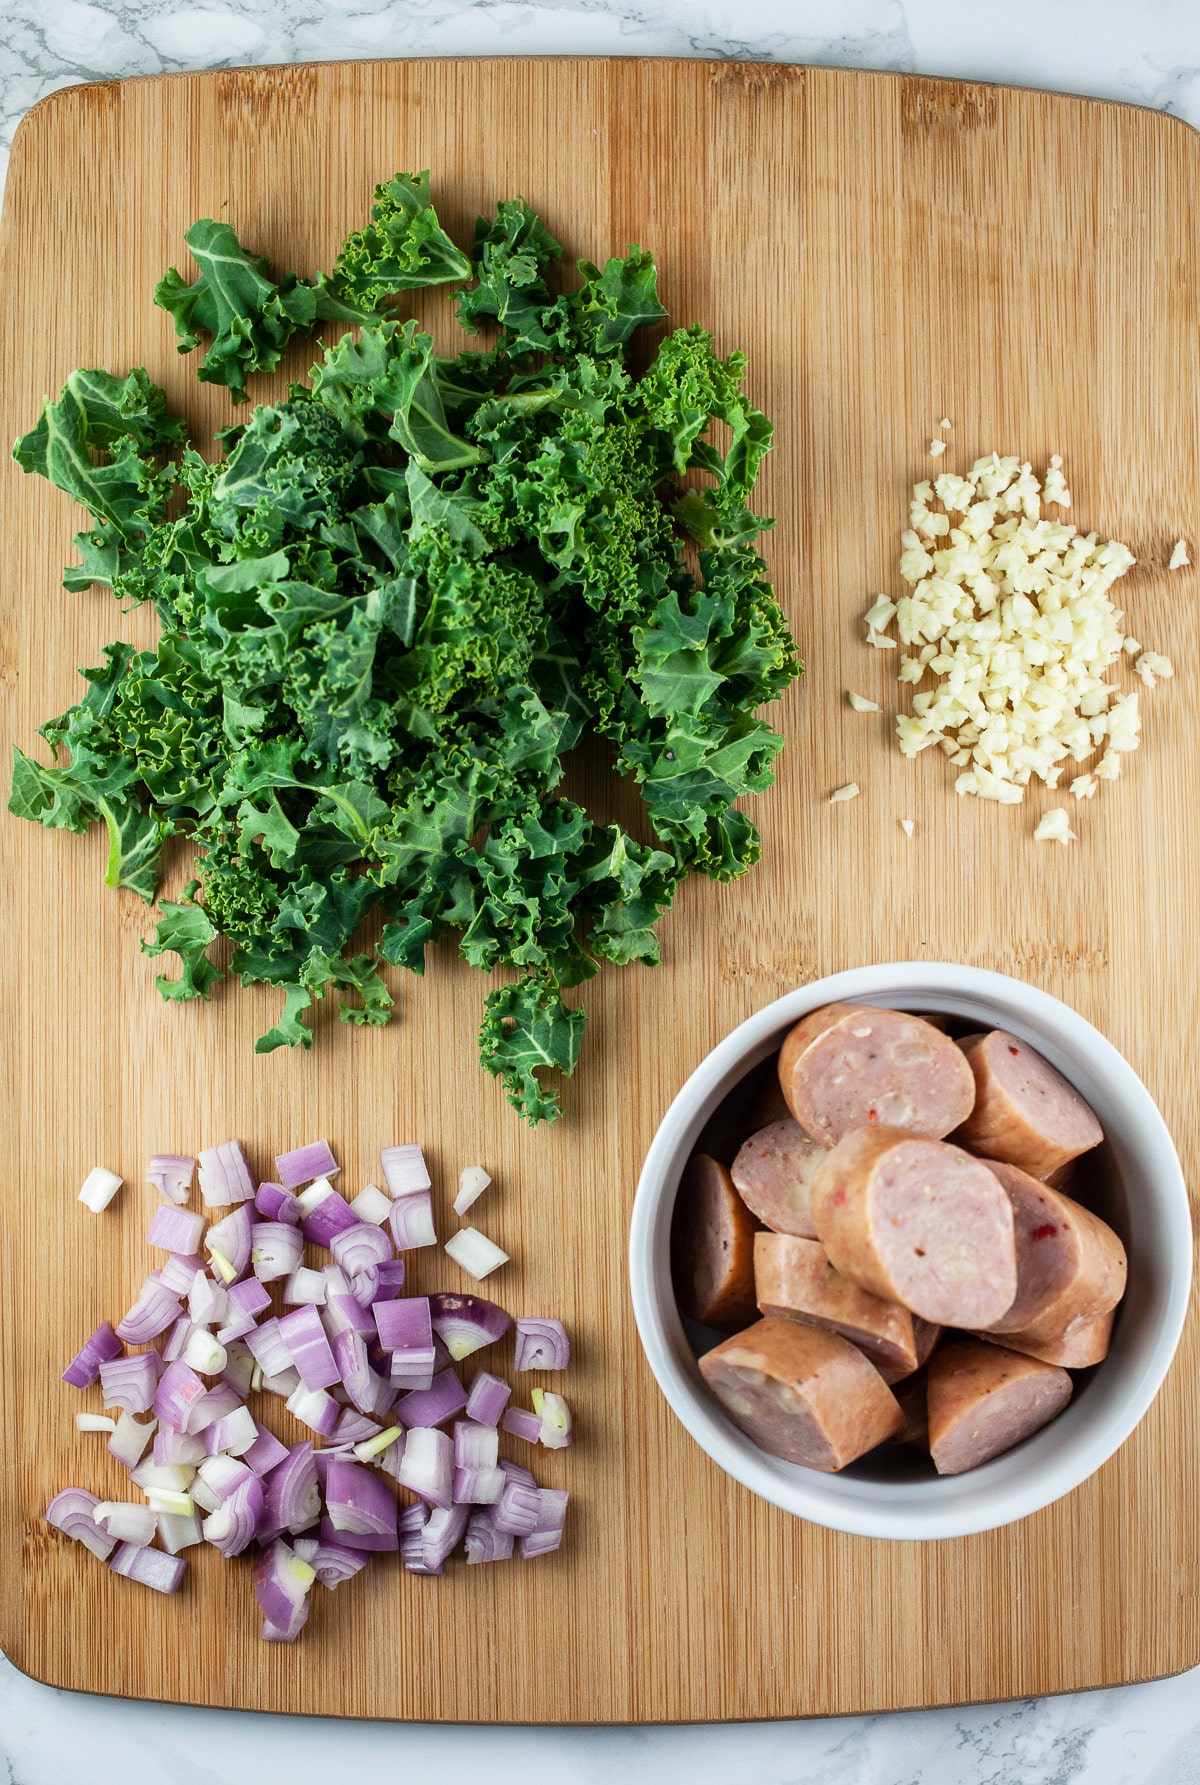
(1143, 1197)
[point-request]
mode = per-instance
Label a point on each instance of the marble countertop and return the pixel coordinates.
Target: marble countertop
(1147, 54)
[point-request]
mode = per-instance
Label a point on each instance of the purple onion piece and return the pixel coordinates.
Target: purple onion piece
(465, 1323)
(221, 1400)
(360, 1248)
(427, 1466)
(180, 1398)
(332, 1563)
(542, 1345)
(176, 1344)
(315, 1409)
(172, 1447)
(232, 1434)
(224, 1176)
(84, 1366)
(350, 1356)
(354, 1428)
(478, 1485)
(443, 1399)
(281, 1586)
(520, 1423)
(130, 1382)
(176, 1230)
(304, 1336)
(234, 1525)
(404, 1169)
(71, 1512)
(484, 1542)
(171, 1175)
(151, 1567)
(269, 1348)
(405, 1325)
(411, 1221)
(475, 1446)
(358, 1502)
(330, 1534)
(154, 1311)
(517, 1472)
(274, 1203)
(412, 1541)
(443, 1531)
(364, 1284)
(266, 1453)
(293, 1500)
(517, 1509)
(304, 1164)
(391, 1279)
(208, 1304)
(344, 1314)
(179, 1272)
(249, 1297)
(548, 1531)
(332, 1215)
(487, 1400)
(276, 1250)
(233, 1239)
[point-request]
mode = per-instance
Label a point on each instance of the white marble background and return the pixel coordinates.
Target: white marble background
(1143, 51)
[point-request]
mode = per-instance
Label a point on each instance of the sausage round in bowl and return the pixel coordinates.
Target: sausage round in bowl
(1135, 1187)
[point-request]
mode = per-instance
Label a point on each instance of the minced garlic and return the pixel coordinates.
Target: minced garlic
(1179, 555)
(1009, 612)
(860, 703)
(907, 826)
(1152, 667)
(848, 792)
(1055, 827)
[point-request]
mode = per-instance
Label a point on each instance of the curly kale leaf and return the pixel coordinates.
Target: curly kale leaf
(528, 1029)
(248, 316)
(404, 247)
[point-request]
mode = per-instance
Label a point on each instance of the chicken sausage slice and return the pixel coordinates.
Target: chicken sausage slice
(1070, 1264)
(846, 1066)
(773, 1172)
(794, 1280)
(1025, 1111)
(712, 1246)
(1080, 1344)
(918, 1222)
(983, 1399)
(802, 1393)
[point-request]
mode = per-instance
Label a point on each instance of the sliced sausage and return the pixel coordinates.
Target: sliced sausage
(1025, 1112)
(772, 1174)
(712, 1246)
(1081, 1344)
(919, 1222)
(911, 1399)
(848, 1065)
(1070, 1265)
(794, 1280)
(983, 1399)
(802, 1393)
(926, 1336)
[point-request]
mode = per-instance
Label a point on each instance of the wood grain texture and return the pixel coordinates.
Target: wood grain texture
(887, 250)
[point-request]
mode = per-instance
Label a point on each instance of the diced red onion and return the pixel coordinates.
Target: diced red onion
(72, 1511)
(542, 1345)
(441, 1357)
(517, 1508)
(266, 1452)
(372, 1205)
(126, 1522)
(233, 1435)
(153, 1312)
(130, 1382)
(224, 1176)
(368, 1448)
(405, 1325)
(357, 1377)
(313, 1197)
(269, 1348)
(293, 1501)
(487, 1399)
(427, 1466)
(412, 1541)
(332, 1215)
(472, 1182)
(332, 1563)
(249, 1297)
(391, 1279)
(304, 1337)
(171, 1175)
(344, 1314)
(128, 1443)
(94, 1422)
(548, 1530)
(443, 1531)
(150, 1567)
(522, 1424)
(361, 1247)
(234, 1525)
(358, 1502)
(465, 1323)
(99, 1188)
(364, 1284)
(330, 1534)
(475, 1253)
(276, 1250)
(180, 1397)
(480, 1486)
(517, 1472)
(84, 1367)
(412, 1221)
(176, 1344)
(179, 1272)
(172, 1447)
(281, 1585)
(178, 1532)
(284, 1384)
(475, 1446)
(404, 1169)
(353, 1428)
(231, 1240)
(390, 1460)
(315, 1409)
(484, 1542)
(208, 1302)
(176, 1230)
(221, 1400)
(442, 1400)
(304, 1164)
(554, 1419)
(274, 1203)
(304, 1288)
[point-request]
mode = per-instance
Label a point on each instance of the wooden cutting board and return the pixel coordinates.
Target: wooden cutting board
(889, 251)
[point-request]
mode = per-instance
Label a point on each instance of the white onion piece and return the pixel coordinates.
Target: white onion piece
(372, 1205)
(476, 1254)
(404, 1169)
(129, 1523)
(204, 1353)
(472, 1182)
(94, 1422)
(99, 1188)
(129, 1440)
(179, 1533)
(305, 1288)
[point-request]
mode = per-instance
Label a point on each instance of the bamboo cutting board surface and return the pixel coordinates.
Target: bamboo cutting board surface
(887, 251)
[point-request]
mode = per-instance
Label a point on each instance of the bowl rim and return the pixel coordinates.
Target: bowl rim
(660, 1329)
